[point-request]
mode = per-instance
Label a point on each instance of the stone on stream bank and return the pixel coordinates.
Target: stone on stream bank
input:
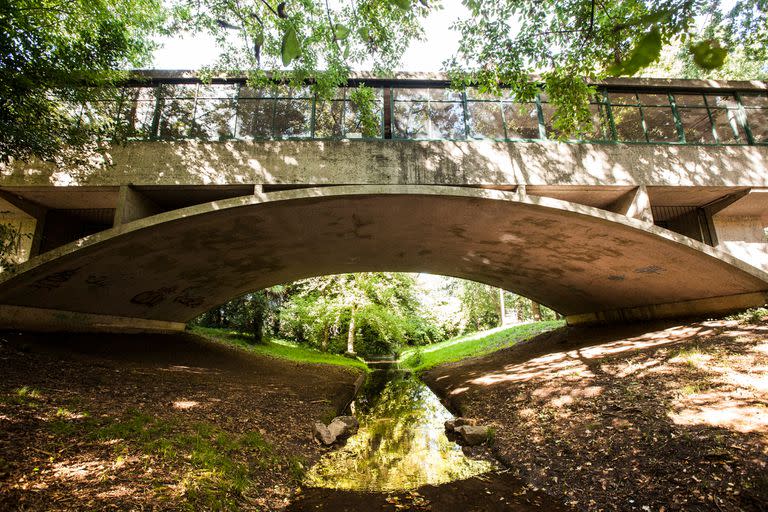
(466, 431)
(339, 428)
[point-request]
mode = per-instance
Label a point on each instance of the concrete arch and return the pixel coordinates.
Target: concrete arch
(161, 271)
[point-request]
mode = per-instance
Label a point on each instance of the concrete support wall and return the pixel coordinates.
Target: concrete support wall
(26, 217)
(133, 205)
(635, 204)
(744, 237)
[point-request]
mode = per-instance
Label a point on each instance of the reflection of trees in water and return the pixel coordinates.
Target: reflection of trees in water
(400, 445)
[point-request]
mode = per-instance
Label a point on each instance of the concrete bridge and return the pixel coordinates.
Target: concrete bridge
(219, 190)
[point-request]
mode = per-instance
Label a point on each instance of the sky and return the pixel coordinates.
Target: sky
(193, 52)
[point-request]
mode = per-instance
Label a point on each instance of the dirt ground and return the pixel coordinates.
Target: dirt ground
(650, 417)
(494, 492)
(167, 422)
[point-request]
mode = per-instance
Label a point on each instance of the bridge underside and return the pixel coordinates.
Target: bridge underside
(158, 272)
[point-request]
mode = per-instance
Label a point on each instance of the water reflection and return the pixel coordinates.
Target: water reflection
(401, 443)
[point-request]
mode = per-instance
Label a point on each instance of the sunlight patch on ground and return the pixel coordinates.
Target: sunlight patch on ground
(185, 404)
(733, 415)
(77, 470)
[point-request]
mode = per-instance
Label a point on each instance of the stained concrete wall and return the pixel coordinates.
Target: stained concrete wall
(402, 162)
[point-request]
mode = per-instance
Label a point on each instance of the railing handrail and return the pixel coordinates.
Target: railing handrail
(404, 80)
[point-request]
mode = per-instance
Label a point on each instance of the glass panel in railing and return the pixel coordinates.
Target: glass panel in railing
(758, 124)
(256, 93)
(410, 120)
(696, 125)
(425, 94)
(728, 125)
(628, 123)
(292, 118)
(254, 118)
(214, 119)
(175, 118)
(754, 100)
(622, 98)
(522, 120)
(601, 128)
(756, 108)
(446, 120)
(329, 119)
(660, 124)
(137, 110)
(485, 120)
(722, 101)
(179, 91)
(548, 113)
(654, 99)
(217, 91)
(689, 100)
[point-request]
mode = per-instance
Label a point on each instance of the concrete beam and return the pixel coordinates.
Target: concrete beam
(31, 319)
(133, 205)
(690, 308)
(576, 259)
(635, 204)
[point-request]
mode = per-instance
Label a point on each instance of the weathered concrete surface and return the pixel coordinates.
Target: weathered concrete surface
(573, 258)
(402, 163)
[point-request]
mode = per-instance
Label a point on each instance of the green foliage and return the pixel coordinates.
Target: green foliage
(646, 51)
(364, 99)
(48, 48)
(290, 48)
(10, 243)
(708, 54)
(280, 349)
(473, 345)
(511, 41)
(751, 316)
(570, 94)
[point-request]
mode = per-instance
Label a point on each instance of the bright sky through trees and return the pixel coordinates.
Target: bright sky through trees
(193, 52)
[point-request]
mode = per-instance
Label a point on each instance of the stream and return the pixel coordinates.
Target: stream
(401, 444)
(400, 459)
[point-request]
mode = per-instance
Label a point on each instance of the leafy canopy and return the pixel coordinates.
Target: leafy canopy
(47, 47)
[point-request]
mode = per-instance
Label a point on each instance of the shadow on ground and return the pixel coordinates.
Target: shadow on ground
(647, 417)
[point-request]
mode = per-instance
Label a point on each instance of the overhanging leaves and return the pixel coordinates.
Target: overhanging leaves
(646, 51)
(708, 54)
(290, 49)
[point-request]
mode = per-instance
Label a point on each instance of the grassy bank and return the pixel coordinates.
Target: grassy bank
(472, 345)
(277, 348)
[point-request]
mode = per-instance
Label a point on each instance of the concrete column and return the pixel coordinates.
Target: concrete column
(33, 210)
(133, 205)
(634, 204)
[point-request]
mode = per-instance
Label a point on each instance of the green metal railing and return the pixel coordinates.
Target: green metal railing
(233, 111)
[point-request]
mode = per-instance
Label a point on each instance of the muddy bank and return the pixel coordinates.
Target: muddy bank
(155, 422)
(654, 417)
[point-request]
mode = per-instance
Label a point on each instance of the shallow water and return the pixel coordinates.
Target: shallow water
(401, 443)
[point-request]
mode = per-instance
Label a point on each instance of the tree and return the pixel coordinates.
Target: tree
(569, 42)
(47, 49)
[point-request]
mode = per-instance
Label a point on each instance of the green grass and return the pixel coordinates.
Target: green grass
(277, 348)
(472, 345)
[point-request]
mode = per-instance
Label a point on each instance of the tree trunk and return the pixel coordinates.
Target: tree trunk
(536, 311)
(326, 335)
(351, 334)
(501, 307)
(258, 326)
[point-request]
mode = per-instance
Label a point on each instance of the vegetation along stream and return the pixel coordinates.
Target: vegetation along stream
(401, 443)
